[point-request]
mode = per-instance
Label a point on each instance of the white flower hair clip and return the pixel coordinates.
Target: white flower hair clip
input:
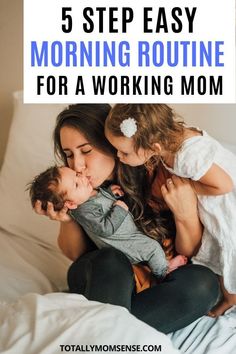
(129, 127)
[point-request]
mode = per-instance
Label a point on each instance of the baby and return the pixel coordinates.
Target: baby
(106, 220)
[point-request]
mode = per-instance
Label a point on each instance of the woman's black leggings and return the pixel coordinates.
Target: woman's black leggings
(186, 294)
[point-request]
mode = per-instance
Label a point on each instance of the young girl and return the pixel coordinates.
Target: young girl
(149, 133)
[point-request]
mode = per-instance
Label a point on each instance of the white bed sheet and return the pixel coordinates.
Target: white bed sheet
(37, 324)
(208, 335)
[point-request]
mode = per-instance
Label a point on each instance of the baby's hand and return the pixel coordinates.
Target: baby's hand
(121, 204)
(116, 190)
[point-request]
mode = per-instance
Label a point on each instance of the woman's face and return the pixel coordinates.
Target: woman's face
(84, 158)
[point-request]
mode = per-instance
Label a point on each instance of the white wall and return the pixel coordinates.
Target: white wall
(11, 62)
(217, 120)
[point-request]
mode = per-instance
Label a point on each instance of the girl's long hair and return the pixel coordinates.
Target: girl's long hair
(156, 123)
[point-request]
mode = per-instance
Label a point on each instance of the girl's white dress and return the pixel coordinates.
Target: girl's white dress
(217, 213)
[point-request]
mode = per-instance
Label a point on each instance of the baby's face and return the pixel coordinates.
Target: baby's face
(77, 188)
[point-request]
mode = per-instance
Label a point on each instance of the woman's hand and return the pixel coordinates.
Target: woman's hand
(61, 215)
(182, 201)
(180, 197)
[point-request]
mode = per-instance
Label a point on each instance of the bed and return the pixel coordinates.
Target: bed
(36, 314)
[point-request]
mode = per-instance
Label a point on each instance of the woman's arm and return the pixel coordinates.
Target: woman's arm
(71, 239)
(215, 182)
(188, 236)
(182, 201)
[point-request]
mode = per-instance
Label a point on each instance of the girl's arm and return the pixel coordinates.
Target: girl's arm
(215, 182)
(182, 201)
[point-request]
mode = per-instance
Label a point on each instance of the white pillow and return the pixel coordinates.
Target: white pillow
(29, 151)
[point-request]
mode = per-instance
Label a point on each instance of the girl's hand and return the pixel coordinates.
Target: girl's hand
(51, 213)
(180, 198)
(116, 190)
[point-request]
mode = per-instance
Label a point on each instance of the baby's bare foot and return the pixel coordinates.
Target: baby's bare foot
(177, 262)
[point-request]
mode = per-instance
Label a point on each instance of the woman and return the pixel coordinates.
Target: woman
(106, 275)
